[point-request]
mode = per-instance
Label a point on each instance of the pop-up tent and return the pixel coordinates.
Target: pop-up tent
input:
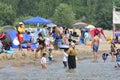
(26, 39)
(37, 20)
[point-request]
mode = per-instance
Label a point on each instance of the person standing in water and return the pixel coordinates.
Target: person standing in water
(41, 46)
(71, 57)
(43, 61)
(95, 46)
(113, 49)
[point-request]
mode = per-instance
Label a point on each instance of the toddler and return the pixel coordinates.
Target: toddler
(65, 58)
(43, 61)
(50, 55)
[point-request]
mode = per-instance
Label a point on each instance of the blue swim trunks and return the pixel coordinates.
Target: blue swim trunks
(58, 42)
(95, 47)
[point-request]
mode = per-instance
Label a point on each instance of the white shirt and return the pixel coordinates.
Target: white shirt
(65, 56)
(43, 60)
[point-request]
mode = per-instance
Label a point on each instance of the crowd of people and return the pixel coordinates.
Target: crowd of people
(59, 36)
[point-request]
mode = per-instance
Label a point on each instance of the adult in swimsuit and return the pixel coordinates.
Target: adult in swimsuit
(41, 46)
(95, 46)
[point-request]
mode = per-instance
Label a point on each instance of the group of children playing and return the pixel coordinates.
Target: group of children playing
(65, 58)
(114, 53)
(43, 60)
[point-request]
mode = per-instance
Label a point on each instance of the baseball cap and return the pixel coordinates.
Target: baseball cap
(72, 44)
(20, 23)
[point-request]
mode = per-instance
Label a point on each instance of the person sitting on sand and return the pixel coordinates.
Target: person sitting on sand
(43, 61)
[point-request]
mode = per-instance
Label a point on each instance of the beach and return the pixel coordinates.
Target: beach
(20, 67)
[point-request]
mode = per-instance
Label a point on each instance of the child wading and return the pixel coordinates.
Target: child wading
(65, 58)
(105, 56)
(117, 58)
(43, 61)
(50, 55)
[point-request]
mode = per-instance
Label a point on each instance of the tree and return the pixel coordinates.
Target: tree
(7, 15)
(27, 8)
(64, 15)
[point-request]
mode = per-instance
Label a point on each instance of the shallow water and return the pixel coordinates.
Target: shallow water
(86, 70)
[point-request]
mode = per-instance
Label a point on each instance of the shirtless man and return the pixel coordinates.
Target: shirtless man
(95, 46)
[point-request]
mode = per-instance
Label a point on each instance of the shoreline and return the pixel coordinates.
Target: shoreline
(83, 52)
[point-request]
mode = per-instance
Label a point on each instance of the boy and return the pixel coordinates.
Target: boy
(65, 58)
(50, 55)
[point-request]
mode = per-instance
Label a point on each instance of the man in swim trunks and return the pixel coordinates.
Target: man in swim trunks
(95, 46)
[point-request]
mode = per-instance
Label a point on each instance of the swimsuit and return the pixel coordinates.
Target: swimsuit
(95, 47)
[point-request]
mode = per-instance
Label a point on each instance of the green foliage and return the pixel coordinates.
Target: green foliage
(64, 15)
(96, 12)
(1, 29)
(7, 15)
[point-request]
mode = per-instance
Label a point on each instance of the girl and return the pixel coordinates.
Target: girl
(43, 61)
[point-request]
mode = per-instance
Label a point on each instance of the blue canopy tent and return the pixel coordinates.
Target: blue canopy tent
(37, 20)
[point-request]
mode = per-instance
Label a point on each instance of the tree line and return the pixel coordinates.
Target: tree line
(64, 12)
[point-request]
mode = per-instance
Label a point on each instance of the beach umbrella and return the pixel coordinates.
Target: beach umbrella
(90, 26)
(80, 24)
(51, 25)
